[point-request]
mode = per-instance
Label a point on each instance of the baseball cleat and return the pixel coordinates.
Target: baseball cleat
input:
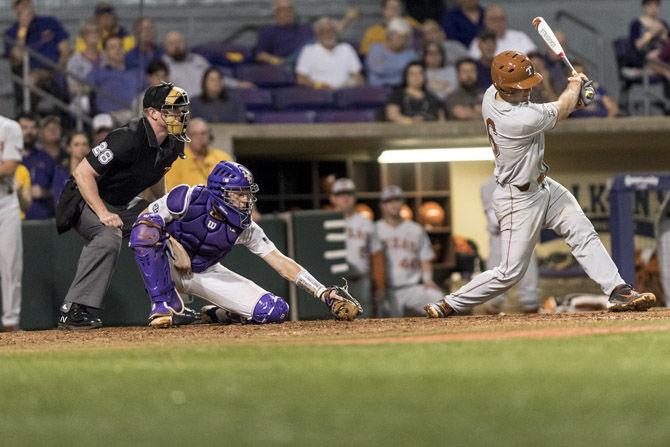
(438, 310)
(76, 317)
(211, 314)
(626, 299)
(160, 316)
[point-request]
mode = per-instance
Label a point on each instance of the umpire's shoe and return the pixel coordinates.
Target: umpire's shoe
(438, 310)
(626, 299)
(77, 317)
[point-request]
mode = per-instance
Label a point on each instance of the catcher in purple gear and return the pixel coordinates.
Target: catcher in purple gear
(179, 243)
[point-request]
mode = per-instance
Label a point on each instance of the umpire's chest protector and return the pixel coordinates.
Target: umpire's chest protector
(206, 239)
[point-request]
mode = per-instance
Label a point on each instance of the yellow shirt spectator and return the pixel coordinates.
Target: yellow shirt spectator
(194, 170)
(22, 178)
(377, 34)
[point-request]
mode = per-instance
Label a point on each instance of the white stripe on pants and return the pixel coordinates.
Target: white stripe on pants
(222, 287)
(522, 215)
(11, 259)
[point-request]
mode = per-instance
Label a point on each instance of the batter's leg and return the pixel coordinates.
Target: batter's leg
(492, 262)
(413, 299)
(663, 250)
(528, 288)
(566, 218)
(11, 264)
(521, 215)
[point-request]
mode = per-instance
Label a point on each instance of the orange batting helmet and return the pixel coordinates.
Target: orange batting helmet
(513, 70)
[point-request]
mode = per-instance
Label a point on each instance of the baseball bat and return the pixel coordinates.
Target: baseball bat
(547, 34)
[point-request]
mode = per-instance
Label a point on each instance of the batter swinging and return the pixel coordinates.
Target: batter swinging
(525, 199)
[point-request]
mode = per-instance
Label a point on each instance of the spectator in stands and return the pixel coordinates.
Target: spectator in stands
(281, 42)
(103, 124)
(77, 147)
(186, 68)
(464, 22)
(543, 92)
(82, 63)
(442, 78)
(116, 86)
(50, 140)
(602, 107)
(385, 62)
(376, 34)
(412, 102)
(466, 102)
(22, 177)
(156, 72)
(105, 17)
(647, 32)
(432, 32)
(44, 35)
(216, 104)
(41, 167)
(328, 63)
(200, 159)
(487, 51)
(147, 48)
(495, 19)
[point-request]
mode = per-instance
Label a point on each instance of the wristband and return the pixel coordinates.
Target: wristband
(308, 283)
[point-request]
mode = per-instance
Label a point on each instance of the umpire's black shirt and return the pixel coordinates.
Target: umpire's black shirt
(130, 160)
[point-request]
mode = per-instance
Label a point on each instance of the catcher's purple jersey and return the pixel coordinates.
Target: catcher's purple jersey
(205, 238)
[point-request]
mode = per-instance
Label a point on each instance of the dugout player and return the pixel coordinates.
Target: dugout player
(11, 243)
(102, 200)
(364, 251)
(525, 199)
(409, 255)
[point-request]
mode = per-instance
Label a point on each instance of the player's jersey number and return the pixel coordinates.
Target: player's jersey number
(490, 130)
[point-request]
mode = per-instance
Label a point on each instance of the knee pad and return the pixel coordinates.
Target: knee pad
(270, 309)
(148, 231)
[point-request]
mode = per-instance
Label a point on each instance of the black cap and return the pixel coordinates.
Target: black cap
(156, 94)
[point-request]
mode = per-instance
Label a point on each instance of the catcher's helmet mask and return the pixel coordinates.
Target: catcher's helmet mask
(174, 106)
(233, 192)
(512, 71)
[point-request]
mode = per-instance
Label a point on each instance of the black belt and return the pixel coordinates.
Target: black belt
(524, 188)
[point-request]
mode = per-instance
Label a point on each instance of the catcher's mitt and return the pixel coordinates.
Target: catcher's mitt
(342, 305)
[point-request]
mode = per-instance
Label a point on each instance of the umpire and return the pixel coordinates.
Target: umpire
(108, 190)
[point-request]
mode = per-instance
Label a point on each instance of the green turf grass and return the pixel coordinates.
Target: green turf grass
(609, 390)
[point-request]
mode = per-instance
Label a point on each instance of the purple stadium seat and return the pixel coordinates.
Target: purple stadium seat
(303, 117)
(346, 116)
(266, 75)
(361, 97)
(302, 98)
(256, 99)
(219, 53)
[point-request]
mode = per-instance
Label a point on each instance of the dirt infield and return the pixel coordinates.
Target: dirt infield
(399, 330)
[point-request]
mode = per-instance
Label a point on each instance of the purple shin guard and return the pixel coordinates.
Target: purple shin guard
(270, 309)
(149, 241)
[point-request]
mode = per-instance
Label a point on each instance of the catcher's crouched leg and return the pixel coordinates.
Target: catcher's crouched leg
(270, 309)
(149, 242)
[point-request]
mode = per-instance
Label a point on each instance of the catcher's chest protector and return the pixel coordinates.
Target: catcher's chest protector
(205, 239)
